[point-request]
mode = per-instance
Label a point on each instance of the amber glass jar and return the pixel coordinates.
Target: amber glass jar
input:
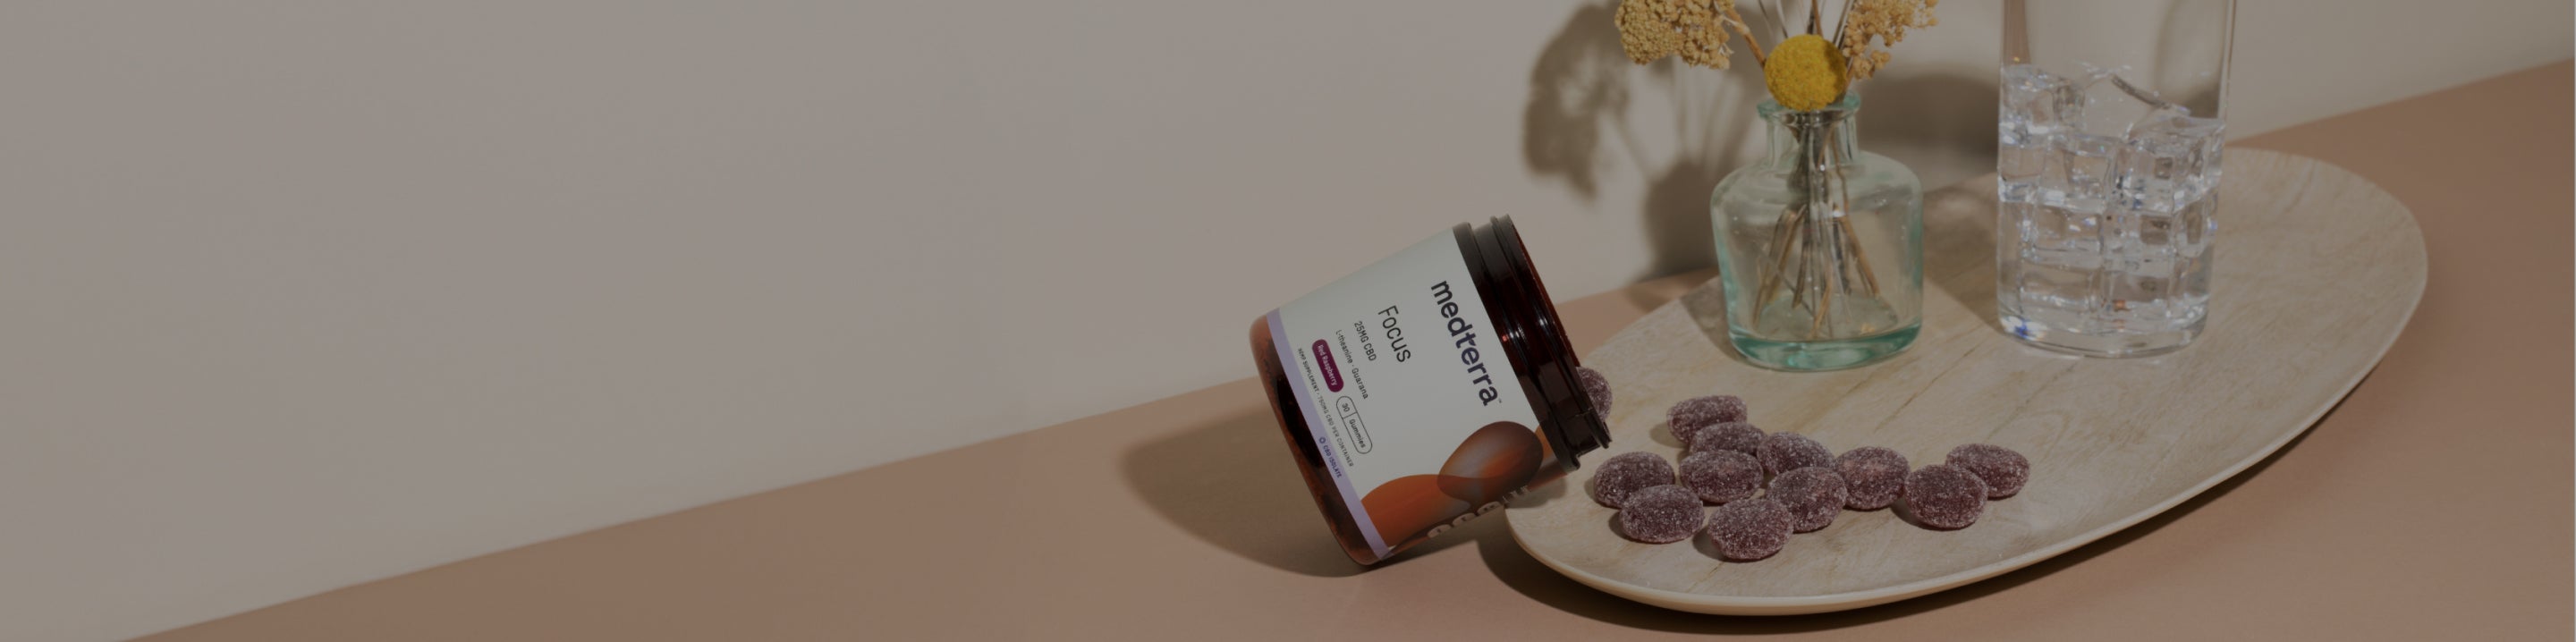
(1426, 389)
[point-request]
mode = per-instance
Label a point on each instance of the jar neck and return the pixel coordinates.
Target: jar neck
(1833, 130)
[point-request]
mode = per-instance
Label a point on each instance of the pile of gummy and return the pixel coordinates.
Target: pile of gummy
(1725, 462)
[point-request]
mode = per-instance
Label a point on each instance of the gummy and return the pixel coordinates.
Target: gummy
(1813, 495)
(1626, 473)
(1787, 451)
(2003, 470)
(1597, 387)
(1944, 497)
(1734, 435)
(1721, 476)
(1661, 514)
(1873, 475)
(1695, 413)
(1749, 530)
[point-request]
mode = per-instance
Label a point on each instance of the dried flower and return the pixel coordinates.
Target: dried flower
(1883, 20)
(1652, 29)
(1727, 16)
(1704, 39)
(1644, 30)
(1805, 73)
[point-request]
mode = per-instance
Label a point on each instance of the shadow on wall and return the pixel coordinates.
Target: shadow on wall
(1941, 125)
(1580, 96)
(1581, 80)
(1584, 93)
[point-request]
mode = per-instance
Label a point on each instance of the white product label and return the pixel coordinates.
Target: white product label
(1408, 393)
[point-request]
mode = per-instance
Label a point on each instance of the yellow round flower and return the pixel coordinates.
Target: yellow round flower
(1805, 73)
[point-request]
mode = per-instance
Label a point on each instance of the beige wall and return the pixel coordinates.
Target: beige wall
(305, 294)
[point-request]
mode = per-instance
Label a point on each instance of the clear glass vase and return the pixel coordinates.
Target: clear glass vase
(1820, 246)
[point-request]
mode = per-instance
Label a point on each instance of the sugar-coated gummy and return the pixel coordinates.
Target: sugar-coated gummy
(2003, 470)
(1626, 473)
(1695, 413)
(1749, 530)
(1944, 496)
(1597, 387)
(1734, 435)
(1786, 451)
(1813, 495)
(1722, 476)
(1873, 475)
(1661, 514)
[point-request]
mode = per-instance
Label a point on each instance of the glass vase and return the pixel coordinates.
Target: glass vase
(1820, 246)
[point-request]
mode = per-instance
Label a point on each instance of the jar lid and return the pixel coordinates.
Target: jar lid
(1536, 340)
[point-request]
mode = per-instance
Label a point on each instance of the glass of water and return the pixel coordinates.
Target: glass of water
(2109, 137)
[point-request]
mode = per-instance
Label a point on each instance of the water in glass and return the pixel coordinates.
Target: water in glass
(2106, 193)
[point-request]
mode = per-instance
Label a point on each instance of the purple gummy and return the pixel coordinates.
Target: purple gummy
(1874, 475)
(1813, 495)
(2003, 470)
(1944, 497)
(1734, 435)
(1700, 412)
(1786, 451)
(1626, 473)
(1661, 514)
(1597, 387)
(1749, 530)
(1722, 476)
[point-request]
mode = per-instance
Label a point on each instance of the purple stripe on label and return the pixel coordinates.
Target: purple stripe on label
(1323, 435)
(1324, 362)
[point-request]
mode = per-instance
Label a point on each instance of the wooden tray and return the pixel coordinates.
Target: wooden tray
(2317, 271)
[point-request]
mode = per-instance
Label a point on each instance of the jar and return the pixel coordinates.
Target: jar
(1426, 389)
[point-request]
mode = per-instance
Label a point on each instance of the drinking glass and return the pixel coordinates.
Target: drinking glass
(2109, 138)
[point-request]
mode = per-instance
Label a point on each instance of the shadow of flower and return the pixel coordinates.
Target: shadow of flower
(1580, 81)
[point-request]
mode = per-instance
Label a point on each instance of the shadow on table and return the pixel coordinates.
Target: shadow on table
(1522, 573)
(1233, 483)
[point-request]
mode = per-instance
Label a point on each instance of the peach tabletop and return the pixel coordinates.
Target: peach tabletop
(2435, 503)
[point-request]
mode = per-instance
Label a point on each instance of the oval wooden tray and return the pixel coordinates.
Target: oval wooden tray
(2317, 271)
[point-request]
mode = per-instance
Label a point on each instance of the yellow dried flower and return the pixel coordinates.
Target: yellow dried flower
(1886, 21)
(1805, 73)
(1645, 29)
(1652, 29)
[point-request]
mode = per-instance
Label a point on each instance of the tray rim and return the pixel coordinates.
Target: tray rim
(1800, 605)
